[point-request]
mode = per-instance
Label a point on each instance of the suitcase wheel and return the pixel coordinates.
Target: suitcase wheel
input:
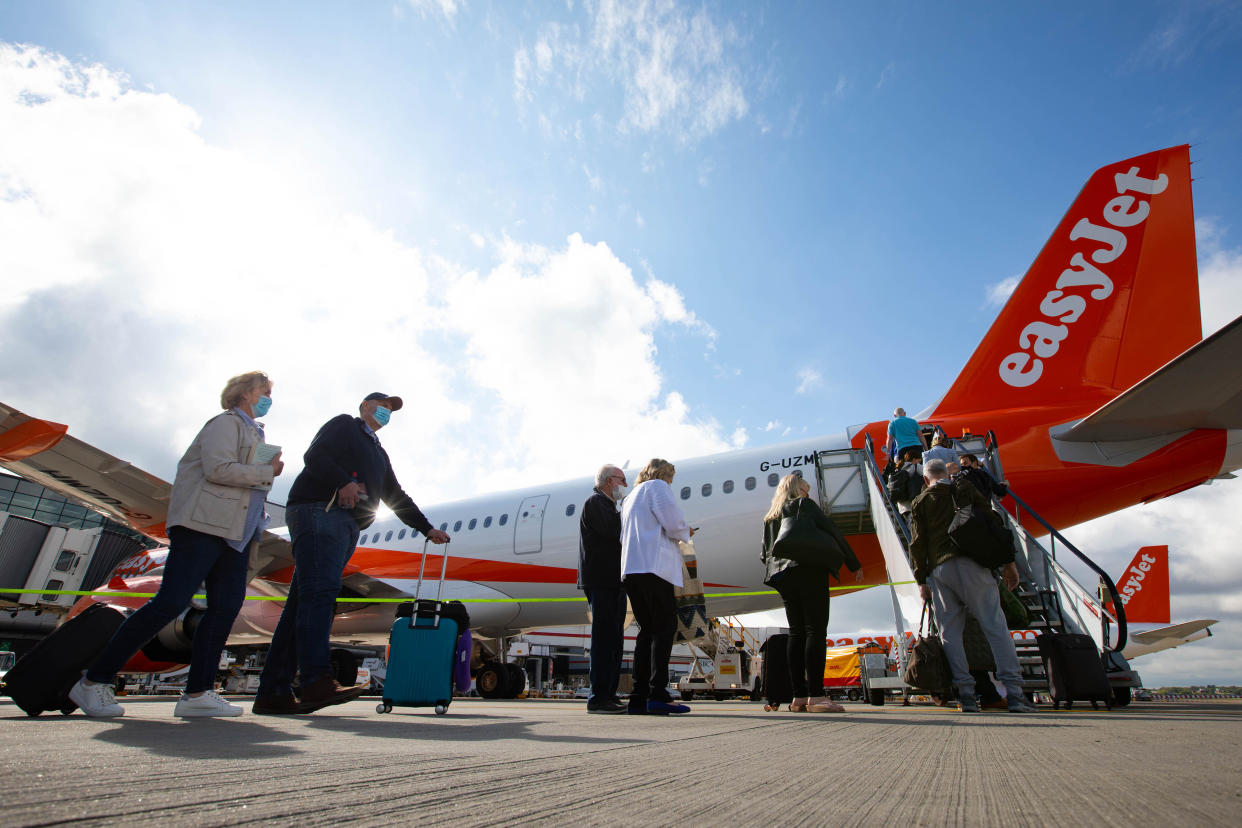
(383, 707)
(441, 709)
(67, 708)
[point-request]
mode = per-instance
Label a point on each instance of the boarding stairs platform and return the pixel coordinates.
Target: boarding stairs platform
(853, 493)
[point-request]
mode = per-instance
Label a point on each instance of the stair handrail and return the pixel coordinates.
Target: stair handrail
(1119, 611)
(869, 458)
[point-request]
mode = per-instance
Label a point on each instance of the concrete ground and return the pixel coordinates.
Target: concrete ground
(727, 763)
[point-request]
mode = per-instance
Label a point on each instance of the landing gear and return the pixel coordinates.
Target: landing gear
(344, 667)
(517, 681)
(492, 680)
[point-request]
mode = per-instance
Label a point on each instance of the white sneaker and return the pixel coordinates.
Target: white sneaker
(96, 700)
(208, 704)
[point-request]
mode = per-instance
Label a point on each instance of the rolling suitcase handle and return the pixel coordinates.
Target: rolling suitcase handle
(434, 614)
(422, 566)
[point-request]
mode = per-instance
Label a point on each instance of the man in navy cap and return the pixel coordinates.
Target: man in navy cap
(346, 476)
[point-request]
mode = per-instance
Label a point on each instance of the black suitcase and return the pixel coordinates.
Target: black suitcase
(777, 687)
(1074, 669)
(42, 678)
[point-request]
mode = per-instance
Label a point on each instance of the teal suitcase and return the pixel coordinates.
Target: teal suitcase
(422, 648)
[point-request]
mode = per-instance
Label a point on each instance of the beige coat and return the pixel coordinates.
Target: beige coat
(212, 490)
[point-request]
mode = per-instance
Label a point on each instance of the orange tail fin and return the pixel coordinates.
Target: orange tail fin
(1144, 586)
(1113, 295)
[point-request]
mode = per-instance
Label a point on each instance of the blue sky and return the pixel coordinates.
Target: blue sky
(574, 232)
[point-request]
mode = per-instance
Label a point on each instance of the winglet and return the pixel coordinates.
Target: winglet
(30, 438)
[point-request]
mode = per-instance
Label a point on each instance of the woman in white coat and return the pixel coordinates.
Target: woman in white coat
(651, 525)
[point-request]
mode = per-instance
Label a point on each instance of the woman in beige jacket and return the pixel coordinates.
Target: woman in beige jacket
(215, 516)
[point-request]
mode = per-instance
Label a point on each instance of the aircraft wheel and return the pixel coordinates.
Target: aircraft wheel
(441, 709)
(517, 681)
(492, 680)
(1121, 696)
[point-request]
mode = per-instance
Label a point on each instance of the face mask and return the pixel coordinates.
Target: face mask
(262, 406)
(619, 492)
(381, 415)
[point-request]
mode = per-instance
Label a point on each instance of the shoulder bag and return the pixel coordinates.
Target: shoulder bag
(980, 535)
(801, 541)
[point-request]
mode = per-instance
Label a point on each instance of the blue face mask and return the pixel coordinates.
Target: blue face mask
(262, 406)
(381, 415)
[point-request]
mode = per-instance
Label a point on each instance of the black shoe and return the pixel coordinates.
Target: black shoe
(610, 706)
(326, 691)
(276, 704)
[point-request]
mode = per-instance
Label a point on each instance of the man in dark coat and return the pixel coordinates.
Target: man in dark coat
(347, 474)
(599, 576)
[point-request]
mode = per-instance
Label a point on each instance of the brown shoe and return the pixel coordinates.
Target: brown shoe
(325, 691)
(276, 704)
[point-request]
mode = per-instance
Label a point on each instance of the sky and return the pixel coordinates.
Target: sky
(571, 233)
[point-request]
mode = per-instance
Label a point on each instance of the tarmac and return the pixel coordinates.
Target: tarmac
(549, 762)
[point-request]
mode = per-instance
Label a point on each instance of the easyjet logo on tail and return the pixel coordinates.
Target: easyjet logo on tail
(1144, 586)
(1041, 339)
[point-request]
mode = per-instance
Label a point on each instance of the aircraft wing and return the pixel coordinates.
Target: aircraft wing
(43, 452)
(1198, 389)
(1165, 638)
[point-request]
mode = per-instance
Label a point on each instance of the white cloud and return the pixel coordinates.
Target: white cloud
(146, 266)
(444, 8)
(1220, 277)
(675, 69)
(998, 294)
(808, 380)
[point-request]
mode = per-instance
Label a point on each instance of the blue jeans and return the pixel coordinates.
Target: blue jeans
(323, 542)
(193, 558)
(960, 584)
(607, 637)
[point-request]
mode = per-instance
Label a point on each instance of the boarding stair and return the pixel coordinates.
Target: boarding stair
(853, 493)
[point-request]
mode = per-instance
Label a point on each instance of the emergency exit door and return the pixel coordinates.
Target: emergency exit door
(528, 528)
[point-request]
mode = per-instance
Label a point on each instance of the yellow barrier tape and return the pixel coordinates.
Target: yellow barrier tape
(111, 594)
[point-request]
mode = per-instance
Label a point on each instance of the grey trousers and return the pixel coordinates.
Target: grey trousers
(960, 584)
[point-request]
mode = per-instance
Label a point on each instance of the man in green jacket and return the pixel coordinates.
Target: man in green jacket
(953, 584)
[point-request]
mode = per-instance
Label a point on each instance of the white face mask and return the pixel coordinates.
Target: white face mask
(619, 492)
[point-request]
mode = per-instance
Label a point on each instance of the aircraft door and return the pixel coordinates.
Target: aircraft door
(528, 527)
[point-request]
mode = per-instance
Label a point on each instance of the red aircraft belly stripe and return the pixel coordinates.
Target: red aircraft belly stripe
(394, 564)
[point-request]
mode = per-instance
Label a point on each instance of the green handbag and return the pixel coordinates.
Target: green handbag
(1016, 617)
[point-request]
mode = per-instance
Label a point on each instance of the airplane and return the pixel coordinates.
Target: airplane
(1094, 381)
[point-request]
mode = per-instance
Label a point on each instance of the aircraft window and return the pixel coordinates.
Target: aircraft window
(473, 523)
(750, 484)
(443, 526)
(773, 479)
(457, 526)
(707, 490)
(388, 536)
(487, 521)
(727, 487)
(569, 510)
(685, 492)
(504, 519)
(401, 534)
